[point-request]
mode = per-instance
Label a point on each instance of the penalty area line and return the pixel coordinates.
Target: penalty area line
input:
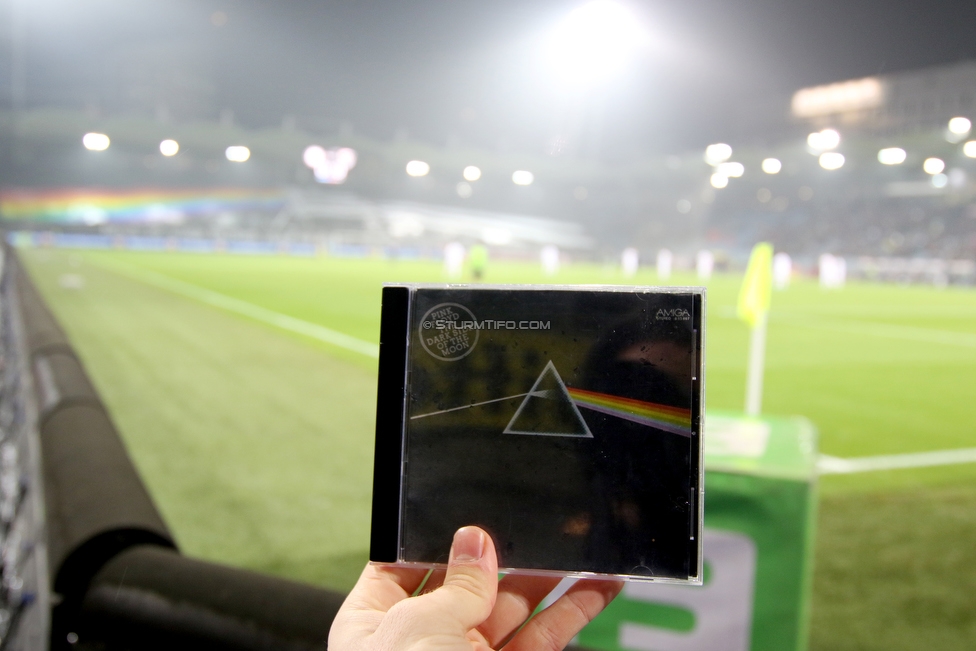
(243, 308)
(828, 465)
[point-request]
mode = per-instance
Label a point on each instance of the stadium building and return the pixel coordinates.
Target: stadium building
(837, 194)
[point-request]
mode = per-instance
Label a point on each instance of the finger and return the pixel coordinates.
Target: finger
(470, 585)
(381, 586)
(518, 597)
(555, 627)
(408, 578)
(434, 581)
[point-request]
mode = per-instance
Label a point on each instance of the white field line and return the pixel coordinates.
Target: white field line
(250, 310)
(828, 465)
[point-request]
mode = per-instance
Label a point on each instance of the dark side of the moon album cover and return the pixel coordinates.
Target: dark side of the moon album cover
(565, 421)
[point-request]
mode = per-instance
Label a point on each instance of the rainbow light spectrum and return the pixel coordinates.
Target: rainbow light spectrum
(671, 419)
(95, 206)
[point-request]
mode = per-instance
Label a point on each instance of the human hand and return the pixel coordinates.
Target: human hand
(464, 608)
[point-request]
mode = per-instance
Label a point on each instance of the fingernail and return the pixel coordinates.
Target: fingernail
(469, 545)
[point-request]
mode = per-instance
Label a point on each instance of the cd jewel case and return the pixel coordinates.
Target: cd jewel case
(566, 421)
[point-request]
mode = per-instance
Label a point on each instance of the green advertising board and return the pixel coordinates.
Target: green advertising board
(760, 503)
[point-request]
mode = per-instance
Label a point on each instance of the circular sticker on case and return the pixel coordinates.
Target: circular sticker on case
(448, 331)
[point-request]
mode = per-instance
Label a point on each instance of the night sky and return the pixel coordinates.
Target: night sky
(466, 72)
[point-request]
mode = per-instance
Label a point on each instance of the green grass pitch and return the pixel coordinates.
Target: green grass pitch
(256, 443)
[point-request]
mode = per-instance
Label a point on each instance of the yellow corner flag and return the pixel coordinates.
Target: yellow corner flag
(757, 285)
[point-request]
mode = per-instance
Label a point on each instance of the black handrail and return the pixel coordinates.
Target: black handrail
(114, 564)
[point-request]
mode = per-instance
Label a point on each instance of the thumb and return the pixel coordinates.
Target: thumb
(471, 583)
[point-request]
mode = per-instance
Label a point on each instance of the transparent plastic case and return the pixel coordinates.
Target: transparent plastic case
(564, 420)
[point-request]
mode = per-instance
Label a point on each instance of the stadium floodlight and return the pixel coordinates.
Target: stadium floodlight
(892, 156)
(717, 153)
(823, 140)
(831, 160)
(418, 168)
(940, 180)
(732, 169)
(718, 181)
(771, 166)
(969, 149)
(314, 156)
(843, 97)
(933, 165)
(330, 165)
(595, 41)
(95, 141)
(169, 147)
(522, 177)
(471, 173)
(464, 189)
(960, 126)
(237, 153)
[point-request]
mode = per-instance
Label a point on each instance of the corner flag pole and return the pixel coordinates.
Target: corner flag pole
(753, 308)
(757, 358)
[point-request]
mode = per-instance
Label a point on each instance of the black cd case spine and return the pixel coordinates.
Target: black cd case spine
(390, 407)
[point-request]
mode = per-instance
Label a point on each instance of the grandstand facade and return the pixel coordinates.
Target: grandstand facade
(596, 208)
